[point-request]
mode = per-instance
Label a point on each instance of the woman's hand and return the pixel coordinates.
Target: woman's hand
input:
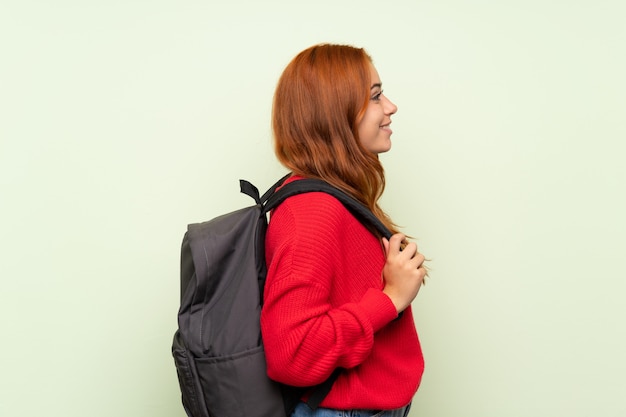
(403, 272)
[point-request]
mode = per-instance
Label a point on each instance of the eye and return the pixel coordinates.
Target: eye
(376, 97)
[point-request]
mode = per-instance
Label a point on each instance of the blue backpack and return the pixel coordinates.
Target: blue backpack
(218, 348)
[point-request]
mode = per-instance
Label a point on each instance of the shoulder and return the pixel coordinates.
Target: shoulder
(305, 232)
(314, 218)
(313, 203)
(311, 210)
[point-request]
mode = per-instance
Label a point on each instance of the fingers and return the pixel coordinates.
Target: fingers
(395, 243)
(417, 258)
(410, 249)
(399, 247)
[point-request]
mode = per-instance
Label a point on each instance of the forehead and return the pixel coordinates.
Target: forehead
(374, 77)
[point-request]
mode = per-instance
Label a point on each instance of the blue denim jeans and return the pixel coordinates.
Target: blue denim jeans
(303, 410)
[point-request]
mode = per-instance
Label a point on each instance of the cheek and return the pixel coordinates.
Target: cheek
(365, 132)
(368, 126)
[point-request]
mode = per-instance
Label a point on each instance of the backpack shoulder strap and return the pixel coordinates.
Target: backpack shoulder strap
(307, 185)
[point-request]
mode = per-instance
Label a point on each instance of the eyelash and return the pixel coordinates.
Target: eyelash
(376, 97)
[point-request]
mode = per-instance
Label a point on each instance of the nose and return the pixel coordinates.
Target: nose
(389, 107)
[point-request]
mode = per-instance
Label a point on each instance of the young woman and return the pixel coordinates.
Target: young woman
(334, 291)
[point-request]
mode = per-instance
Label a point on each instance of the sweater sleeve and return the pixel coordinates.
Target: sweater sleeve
(315, 318)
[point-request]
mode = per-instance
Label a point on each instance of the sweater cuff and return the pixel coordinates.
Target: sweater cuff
(379, 307)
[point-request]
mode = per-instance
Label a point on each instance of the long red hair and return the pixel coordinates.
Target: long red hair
(320, 99)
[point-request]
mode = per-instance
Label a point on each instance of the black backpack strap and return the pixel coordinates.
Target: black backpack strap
(321, 391)
(273, 188)
(307, 185)
(247, 188)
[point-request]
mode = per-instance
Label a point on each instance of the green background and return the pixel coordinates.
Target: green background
(122, 121)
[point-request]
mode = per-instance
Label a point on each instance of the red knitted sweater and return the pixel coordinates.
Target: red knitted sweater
(324, 308)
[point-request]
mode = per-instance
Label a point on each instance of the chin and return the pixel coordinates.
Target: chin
(379, 147)
(385, 148)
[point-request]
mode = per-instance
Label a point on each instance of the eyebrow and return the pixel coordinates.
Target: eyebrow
(376, 85)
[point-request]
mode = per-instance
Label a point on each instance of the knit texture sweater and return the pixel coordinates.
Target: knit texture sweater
(324, 308)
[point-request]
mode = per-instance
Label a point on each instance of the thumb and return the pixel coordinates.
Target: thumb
(386, 245)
